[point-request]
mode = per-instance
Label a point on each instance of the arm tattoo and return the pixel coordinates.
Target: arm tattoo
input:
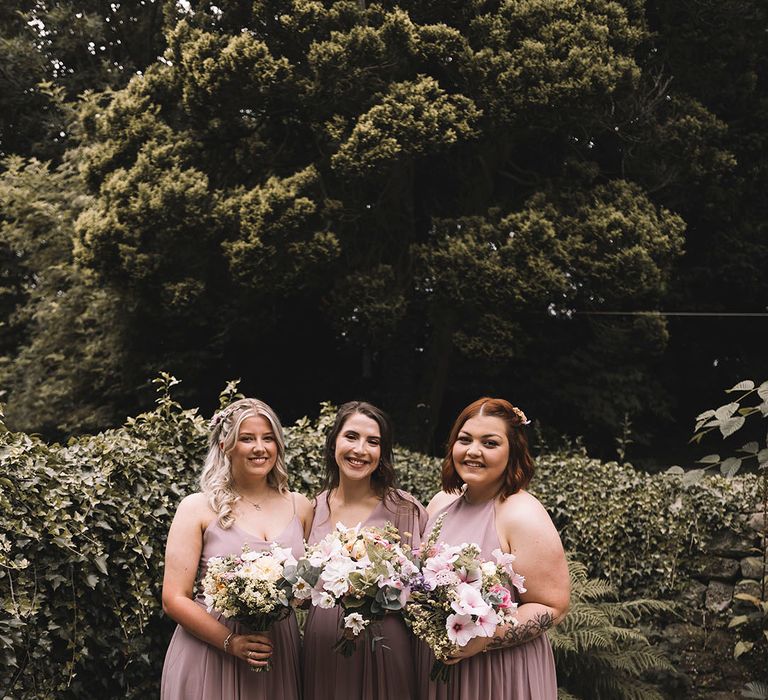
(520, 634)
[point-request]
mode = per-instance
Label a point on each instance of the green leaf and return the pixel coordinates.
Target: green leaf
(730, 466)
(762, 391)
(710, 459)
(101, 563)
(745, 385)
(749, 598)
(92, 580)
(750, 448)
(675, 471)
(726, 411)
(738, 620)
(706, 414)
(742, 647)
(730, 426)
(762, 457)
(693, 477)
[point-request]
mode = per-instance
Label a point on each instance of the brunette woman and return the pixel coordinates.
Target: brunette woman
(360, 488)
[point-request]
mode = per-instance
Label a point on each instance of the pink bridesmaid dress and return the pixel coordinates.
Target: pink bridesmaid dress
(525, 672)
(387, 672)
(195, 670)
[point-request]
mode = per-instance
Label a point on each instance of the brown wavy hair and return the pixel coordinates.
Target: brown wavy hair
(383, 479)
(520, 465)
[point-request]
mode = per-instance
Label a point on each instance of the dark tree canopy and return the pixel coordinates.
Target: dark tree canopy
(417, 202)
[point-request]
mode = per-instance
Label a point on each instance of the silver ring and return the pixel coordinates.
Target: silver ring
(250, 654)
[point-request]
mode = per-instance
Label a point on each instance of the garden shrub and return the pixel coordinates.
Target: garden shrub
(643, 532)
(83, 527)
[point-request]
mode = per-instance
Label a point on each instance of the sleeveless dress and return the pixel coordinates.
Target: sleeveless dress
(524, 672)
(387, 673)
(195, 670)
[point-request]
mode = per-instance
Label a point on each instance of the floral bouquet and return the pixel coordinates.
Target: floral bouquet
(459, 597)
(254, 588)
(365, 571)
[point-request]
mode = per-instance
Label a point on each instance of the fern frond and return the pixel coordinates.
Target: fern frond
(634, 662)
(594, 589)
(599, 649)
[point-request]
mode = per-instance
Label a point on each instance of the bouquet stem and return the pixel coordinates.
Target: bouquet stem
(440, 672)
(266, 630)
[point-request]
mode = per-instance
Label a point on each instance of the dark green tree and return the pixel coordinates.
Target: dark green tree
(63, 348)
(431, 190)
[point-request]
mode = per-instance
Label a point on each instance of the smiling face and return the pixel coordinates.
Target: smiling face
(358, 447)
(481, 451)
(255, 451)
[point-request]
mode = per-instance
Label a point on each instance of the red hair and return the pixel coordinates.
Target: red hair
(520, 465)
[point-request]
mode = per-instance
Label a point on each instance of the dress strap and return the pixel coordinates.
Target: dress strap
(293, 501)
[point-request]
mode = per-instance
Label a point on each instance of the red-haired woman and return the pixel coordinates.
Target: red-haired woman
(485, 472)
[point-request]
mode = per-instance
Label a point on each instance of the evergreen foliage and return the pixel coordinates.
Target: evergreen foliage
(413, 196)
(84, 524)
(432, 188)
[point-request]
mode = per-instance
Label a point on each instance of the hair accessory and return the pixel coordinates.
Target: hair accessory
(519, 413)
(219, 417)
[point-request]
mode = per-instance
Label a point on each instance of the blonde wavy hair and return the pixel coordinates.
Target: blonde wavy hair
(216, 481)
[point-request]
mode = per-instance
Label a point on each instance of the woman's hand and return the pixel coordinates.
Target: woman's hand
(474, 646)
(254, 649)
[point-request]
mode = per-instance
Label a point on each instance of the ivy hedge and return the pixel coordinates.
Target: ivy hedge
(83, 526)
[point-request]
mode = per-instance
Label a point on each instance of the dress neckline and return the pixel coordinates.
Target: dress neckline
(362, 523)
(235, 526)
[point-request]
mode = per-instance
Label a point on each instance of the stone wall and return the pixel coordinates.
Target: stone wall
(701, 644)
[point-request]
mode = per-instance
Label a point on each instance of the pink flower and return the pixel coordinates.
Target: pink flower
(505, 562)
(518, 581)
(442, 561)
(473, 577)
(488, 622)
(461, 629)
(470, 601)
(324, 550)
(503, 559)
(503, 594)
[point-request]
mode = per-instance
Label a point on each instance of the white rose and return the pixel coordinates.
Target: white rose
(489, 568)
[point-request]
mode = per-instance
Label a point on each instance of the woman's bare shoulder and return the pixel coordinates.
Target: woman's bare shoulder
(303, 505)
(524, 510)
(195, 508)
(440, 500)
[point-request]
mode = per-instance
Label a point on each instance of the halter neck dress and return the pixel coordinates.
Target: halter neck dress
(387, 673)
(195, 670)
(524, 672)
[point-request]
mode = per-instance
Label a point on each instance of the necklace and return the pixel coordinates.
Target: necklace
(257, 506)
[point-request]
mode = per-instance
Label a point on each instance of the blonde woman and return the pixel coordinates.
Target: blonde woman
(243, 499)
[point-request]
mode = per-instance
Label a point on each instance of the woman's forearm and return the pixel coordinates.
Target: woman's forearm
(193, 618)
(533, 619)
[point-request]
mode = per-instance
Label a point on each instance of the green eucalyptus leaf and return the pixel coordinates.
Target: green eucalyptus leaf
(745, 385)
